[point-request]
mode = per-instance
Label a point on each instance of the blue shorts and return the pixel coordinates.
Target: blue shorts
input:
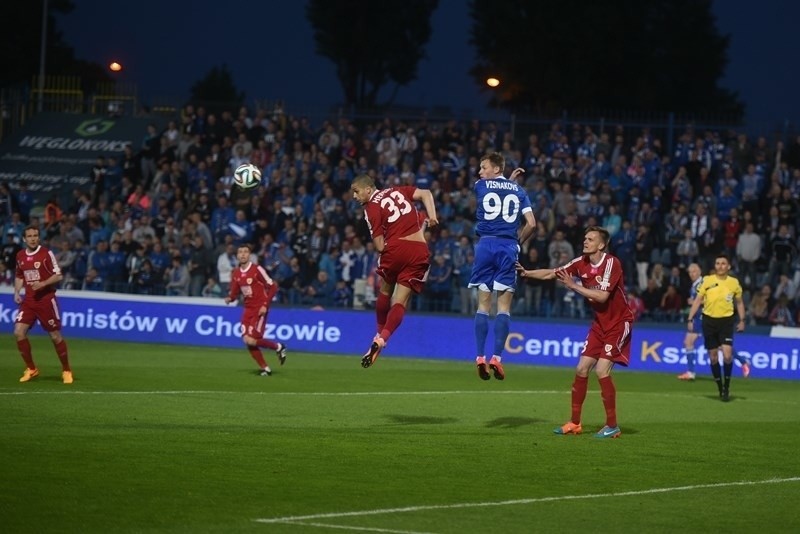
(493, 269)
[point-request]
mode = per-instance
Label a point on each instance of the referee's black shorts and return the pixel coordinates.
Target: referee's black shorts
(718, 331)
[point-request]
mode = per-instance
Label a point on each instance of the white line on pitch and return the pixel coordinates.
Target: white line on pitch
(348, 527)
(423, 508)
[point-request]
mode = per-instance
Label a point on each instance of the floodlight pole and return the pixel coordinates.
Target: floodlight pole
(42, 56)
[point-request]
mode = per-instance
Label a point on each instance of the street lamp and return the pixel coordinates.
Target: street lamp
(492, 82)
(42, 56)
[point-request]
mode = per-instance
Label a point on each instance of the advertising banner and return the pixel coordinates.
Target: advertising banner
(206, 322)
(54, 152)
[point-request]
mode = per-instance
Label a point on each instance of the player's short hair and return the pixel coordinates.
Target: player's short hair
(723, 255)
(496, 159)
(364, 180)
(603, 234)
(30, 227)
(248, 246)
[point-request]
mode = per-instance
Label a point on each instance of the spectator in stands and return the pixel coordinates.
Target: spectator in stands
(212, 289)
(135, 263)
(93, 281)
(759, 307)
(688, 250)
(144, 281)
(748, 252)
(438, 289)
(177, 278)
(783, 253)
(643, 253)
(671, 305)
(781, 315)
(320, 292)
(651, 297)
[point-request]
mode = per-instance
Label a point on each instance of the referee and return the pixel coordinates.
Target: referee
(717, 295)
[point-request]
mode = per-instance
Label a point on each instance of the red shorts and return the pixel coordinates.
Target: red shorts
(45, 311)
(253, 324)
(613, 344)
(406, 263)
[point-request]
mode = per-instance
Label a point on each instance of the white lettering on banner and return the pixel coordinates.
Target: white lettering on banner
(302, 332)
(209, 325)
(552, 347)
(175, 325)
(6, 314)
(776, 360)
(66, 143)
(125, 322)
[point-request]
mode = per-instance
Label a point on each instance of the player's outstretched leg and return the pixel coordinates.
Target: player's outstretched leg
(374, 351)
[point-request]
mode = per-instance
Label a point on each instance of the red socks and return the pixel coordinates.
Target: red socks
(24, 347)
(609, 394)
(257, 356)
(267, 344)
(63, 355)
(393, 320)
(578, 396)
(382, 306)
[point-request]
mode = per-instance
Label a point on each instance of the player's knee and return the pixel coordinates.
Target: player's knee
(249, 341)
(56, 337)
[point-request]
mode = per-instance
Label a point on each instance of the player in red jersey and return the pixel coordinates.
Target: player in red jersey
(38, 272)
(609, 339)
(398, 232)
(257, 289)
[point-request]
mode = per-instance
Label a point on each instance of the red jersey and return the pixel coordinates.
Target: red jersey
(254, 284)
(37, 266)
(606, 275)
(391, 213)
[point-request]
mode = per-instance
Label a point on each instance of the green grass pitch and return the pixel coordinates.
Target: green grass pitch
(156, 438)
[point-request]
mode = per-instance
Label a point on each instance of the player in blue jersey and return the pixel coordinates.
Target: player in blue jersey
(689, 350)
(696, 330)
(502, 203)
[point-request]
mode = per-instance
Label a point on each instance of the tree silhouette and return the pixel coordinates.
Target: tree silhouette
(371, 43)
(661, 55)
(217, 90)
(20, 40)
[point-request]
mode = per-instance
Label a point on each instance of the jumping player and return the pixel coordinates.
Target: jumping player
(502, 203)
(398, 233)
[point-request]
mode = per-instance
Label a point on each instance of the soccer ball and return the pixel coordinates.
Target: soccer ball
(247, 175)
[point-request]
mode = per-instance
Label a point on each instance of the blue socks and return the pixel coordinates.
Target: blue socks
(502, 324)
(691, 356)
(481, 332)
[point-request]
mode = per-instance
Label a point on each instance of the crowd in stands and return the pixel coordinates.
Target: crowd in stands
(164, 218)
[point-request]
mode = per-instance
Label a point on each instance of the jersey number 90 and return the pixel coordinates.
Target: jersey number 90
(506, 207)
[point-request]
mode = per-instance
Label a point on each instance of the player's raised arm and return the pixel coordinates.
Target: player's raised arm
(426, 197)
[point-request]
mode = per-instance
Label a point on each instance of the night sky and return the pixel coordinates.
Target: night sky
(167, 46)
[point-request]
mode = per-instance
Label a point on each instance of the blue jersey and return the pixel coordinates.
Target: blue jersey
(696, 325)
(501, 203)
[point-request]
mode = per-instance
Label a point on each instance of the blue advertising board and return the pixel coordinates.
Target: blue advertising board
(206, 322)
